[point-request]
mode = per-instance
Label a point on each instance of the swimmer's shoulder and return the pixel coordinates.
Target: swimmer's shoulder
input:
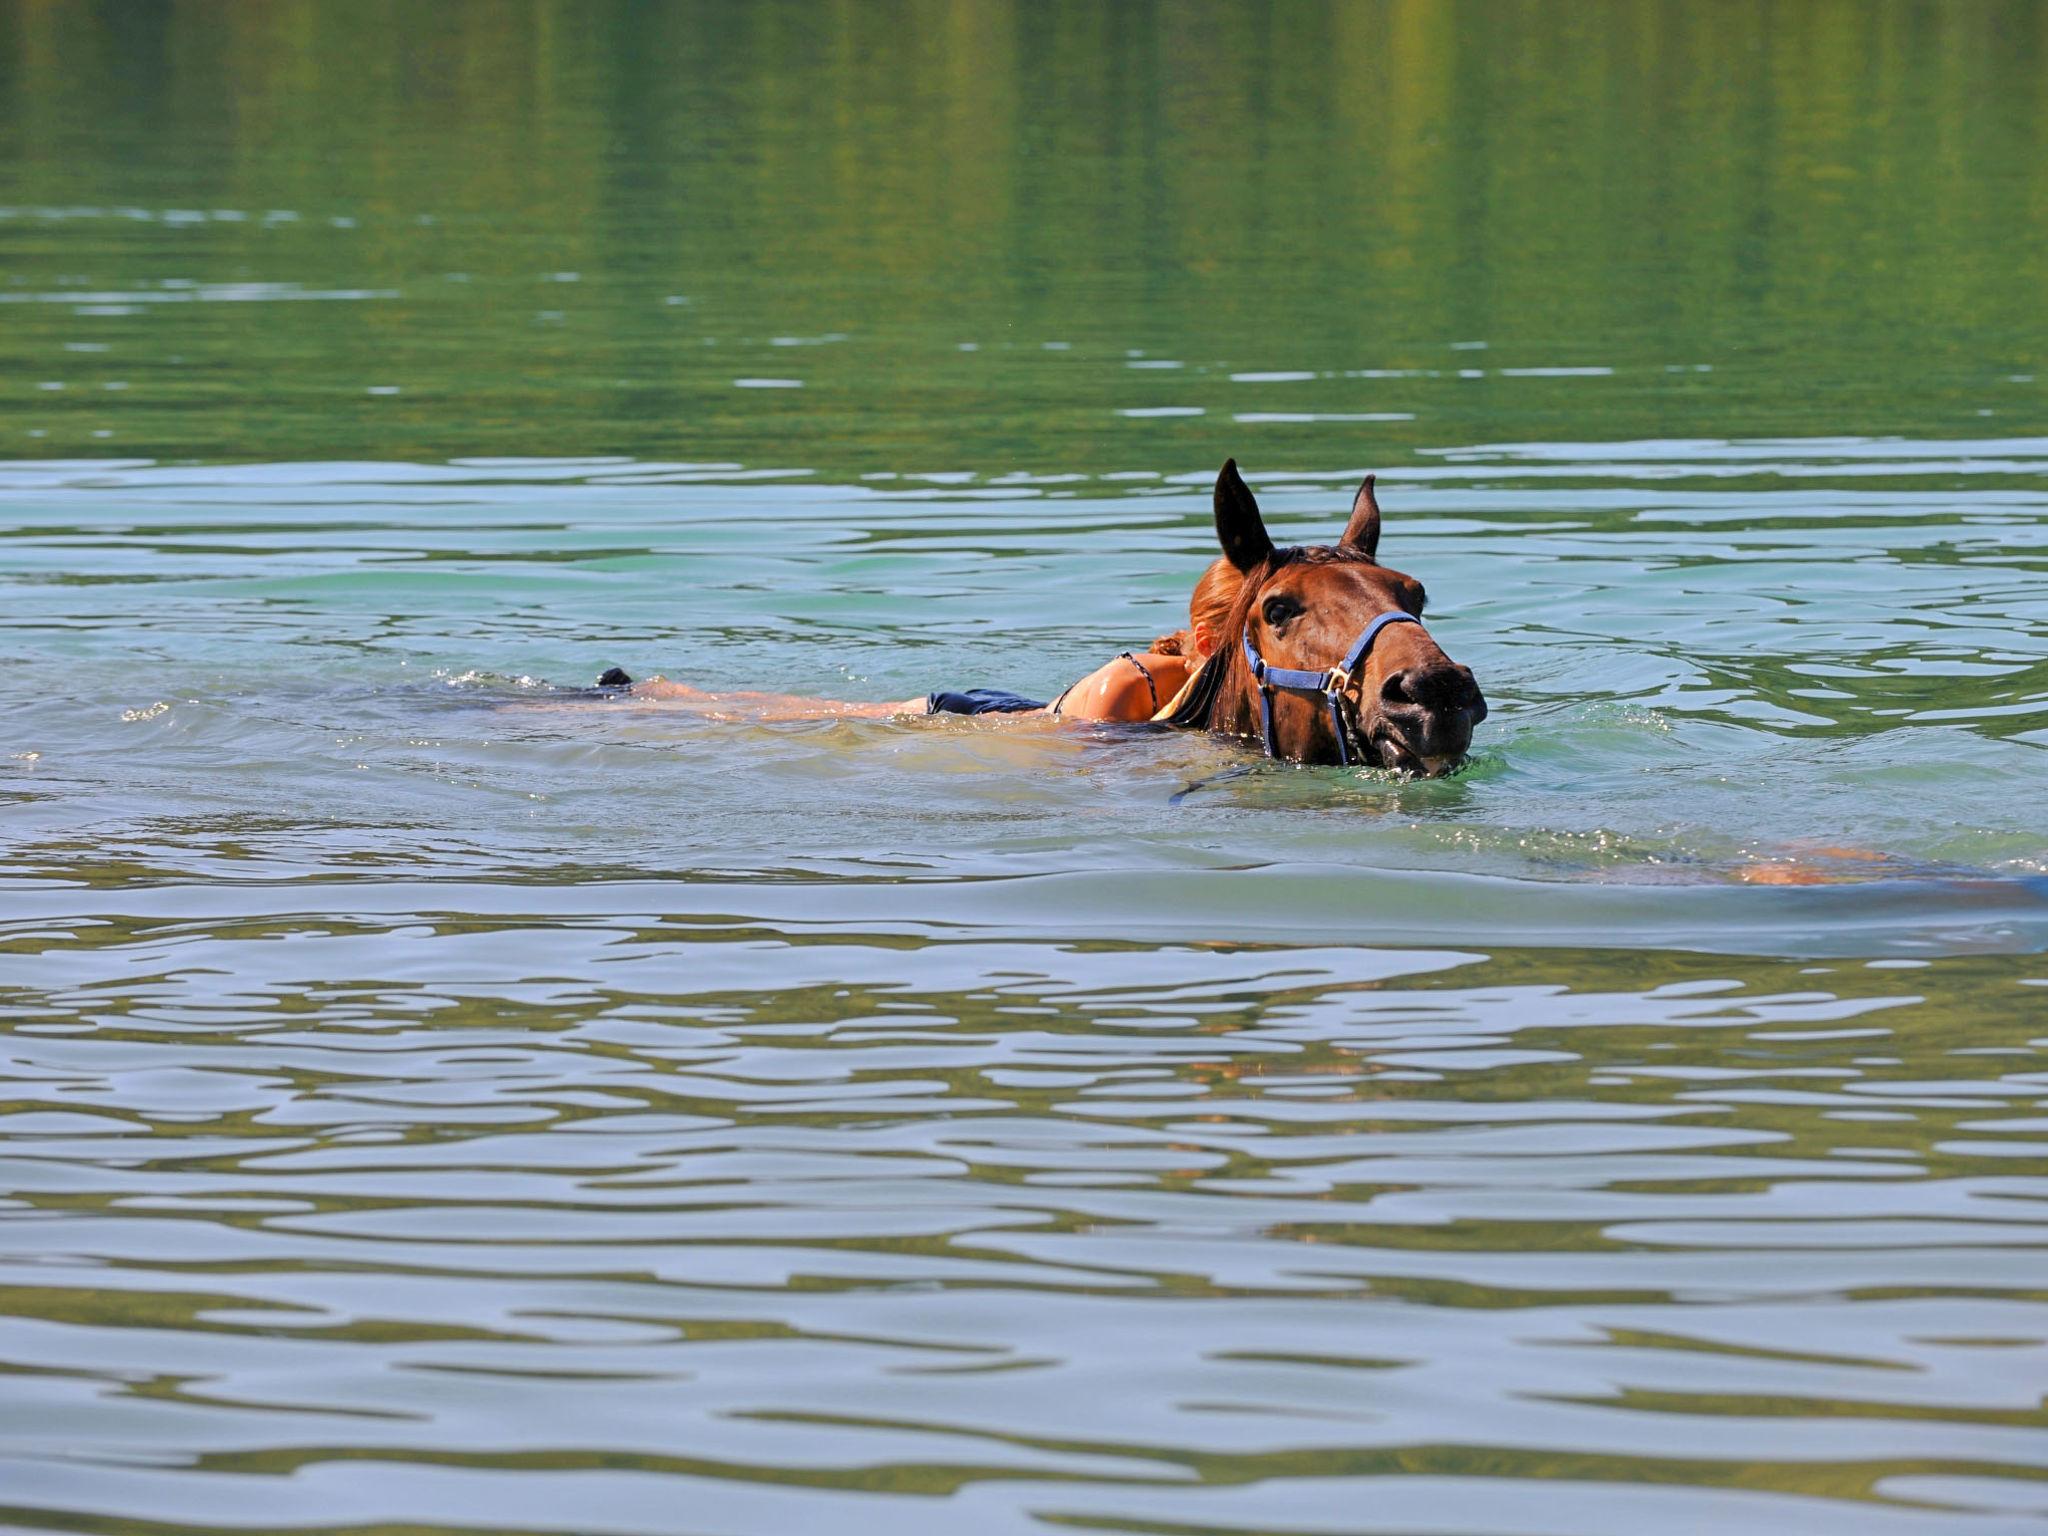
(1127, 688)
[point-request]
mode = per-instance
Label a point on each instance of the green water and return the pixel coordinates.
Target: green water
(570, 229)
(432, 1100)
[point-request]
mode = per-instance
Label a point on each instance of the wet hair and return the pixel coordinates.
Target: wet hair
(1215, 595)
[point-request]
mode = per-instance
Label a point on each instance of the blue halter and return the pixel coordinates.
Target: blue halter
(1330, 684)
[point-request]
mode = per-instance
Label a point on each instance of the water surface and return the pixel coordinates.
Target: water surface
(432, 1099)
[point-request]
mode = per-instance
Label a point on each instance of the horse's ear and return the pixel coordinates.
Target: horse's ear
(1239, 528)
(1362, 533)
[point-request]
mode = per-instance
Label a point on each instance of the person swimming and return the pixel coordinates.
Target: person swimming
(1130, 687)
(1146, 687)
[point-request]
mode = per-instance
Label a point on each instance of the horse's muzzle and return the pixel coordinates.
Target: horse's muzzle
(1424, 717)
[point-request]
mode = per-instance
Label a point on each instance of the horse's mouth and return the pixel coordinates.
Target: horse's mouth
(1380, 742)
(1428, 731)
(1397, 757)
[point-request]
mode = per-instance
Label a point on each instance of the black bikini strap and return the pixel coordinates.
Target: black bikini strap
(1150, 686)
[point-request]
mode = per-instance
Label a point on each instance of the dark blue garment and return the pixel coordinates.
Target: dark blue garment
(980, 701)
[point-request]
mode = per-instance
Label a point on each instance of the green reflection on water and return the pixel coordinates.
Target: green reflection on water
(564, 229)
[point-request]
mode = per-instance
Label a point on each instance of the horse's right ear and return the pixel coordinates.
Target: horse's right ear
(1239, 528)
(1362, 533)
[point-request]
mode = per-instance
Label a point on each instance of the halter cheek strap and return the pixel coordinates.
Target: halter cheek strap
(1330, 684)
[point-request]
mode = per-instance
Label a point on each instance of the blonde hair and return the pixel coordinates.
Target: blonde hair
(1214, 597)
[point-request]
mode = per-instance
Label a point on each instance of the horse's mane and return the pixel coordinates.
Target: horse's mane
(1200, 703)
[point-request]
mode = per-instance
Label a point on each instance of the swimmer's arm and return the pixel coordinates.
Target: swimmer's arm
(771, 706)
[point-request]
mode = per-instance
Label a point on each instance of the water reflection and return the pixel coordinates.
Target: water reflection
(898, 1226)
(573, 229)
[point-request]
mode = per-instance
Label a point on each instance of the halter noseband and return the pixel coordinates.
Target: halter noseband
(1330, 684)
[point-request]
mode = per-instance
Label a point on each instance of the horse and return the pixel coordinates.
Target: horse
(1325, 658)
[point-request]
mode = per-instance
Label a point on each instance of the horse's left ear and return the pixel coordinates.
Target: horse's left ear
(1362, 533)
(1239, 528)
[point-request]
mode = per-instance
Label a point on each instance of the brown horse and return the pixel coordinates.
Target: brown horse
(1402, 703)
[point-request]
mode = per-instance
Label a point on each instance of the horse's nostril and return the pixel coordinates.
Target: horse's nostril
(1433, 707)
(1437, 690)
(1469, 698)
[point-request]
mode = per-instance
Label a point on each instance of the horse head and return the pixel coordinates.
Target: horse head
(1326, 658)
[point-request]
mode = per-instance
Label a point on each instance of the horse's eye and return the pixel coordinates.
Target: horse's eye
(1280, 609)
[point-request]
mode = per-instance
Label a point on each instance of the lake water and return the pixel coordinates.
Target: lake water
(433, 1101)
